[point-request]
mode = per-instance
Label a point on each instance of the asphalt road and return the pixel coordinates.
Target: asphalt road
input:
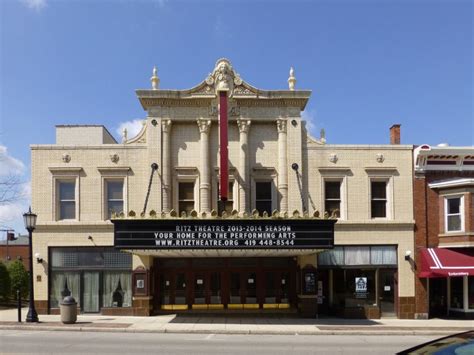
(62, 342)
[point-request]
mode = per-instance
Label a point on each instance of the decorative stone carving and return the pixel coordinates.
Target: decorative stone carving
(292, 79)
(166, 125)
(322, 135)
(333, 158)
(380, 158)
(66, 158)
(114, 158)
(244, 125)
(223, 77)
(281, 125)
(155, 81)
(204, 125)
(124, 135)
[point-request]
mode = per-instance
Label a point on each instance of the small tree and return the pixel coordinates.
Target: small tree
(4, 282)
(18, 279)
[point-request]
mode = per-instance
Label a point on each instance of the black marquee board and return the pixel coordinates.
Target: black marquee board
(178, 233)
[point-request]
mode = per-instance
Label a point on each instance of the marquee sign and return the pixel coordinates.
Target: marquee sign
(224, 233)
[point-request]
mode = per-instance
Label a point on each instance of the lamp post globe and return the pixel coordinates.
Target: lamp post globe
(30, 225)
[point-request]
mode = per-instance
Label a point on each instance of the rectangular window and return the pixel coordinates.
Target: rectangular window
(229, 204)
(263, 197)
(378, 193)
(67, 199)
(114, 190)
(332, 198)
(186, 197)
(454, 214)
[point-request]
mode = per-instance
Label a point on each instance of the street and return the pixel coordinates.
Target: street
(64, 342)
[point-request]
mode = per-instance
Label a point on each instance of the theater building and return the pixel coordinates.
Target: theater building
(444, 237)
(222, 203)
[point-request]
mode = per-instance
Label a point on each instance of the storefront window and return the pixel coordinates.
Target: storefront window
(95, 277)
(470, 291)
(456, 290)
(64, 284)
(360, 287)
(117, 289)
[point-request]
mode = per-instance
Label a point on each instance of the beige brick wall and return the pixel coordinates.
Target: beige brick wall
(353, 162)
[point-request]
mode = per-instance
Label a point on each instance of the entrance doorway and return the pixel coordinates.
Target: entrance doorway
(438, 297)
(387, 292)
(217, 283)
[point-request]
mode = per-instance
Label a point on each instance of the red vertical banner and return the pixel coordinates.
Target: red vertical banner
(223, 142)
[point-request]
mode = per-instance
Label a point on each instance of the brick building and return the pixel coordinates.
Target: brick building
(175, 220)
(15, 248)
(444, 235)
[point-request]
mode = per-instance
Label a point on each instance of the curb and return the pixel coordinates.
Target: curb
(237, 332)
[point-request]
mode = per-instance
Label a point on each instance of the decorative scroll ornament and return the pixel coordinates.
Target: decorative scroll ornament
(333, 158)
(66, 158)
(380, 158)
(114, 158)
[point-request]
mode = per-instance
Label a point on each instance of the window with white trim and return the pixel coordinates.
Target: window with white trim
(332, 197)
(66, 199)
(263, 197)
(114, 197)
(229, 204)
(454, 211)
(185, 197)
(378, 198)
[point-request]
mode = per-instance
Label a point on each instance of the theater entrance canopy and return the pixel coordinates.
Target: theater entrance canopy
(223, 237)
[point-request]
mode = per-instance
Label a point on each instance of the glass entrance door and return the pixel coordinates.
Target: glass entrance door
(387, 293)
(90, 295)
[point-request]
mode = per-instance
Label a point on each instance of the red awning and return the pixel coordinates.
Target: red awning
(440, 262)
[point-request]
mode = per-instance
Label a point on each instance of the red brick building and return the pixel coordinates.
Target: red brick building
(444, 233)
(14, 248)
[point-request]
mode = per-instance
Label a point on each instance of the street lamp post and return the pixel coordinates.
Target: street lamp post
(30, 224)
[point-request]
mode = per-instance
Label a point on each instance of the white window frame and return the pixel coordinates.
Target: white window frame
(331, 174)
(63, 174)
(215, 193)
(109, 174)
(387, 197)
(186, 174)
(106, 199)
(461, 213)
(264, 175)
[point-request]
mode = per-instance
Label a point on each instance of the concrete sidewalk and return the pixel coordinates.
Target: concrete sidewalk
(238, 325)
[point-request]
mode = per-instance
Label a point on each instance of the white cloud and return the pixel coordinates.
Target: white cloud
(8, 164)
(309, 116)
(36, 5)
(133, 128)
(15, 194)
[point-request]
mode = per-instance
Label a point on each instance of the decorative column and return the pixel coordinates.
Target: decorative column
(166, 165)
(205, 174)
(244, 126)
(282, 164)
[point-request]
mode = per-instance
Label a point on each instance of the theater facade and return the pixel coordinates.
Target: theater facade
(223, 202)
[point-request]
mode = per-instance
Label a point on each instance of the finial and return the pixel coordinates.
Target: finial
(124, 135)
(155, 81)
(292, 79)
(322, 135)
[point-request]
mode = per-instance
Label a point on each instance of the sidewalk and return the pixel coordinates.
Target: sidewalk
(238, 325)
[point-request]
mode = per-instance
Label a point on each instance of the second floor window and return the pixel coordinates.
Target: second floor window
(378, 193)
(186, 197)
(114, 197)
(67, 199)
(332, 197)
(263, 197)
(229, 204)
(453, 214)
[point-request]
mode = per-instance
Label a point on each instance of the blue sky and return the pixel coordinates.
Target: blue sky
(369, 64)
